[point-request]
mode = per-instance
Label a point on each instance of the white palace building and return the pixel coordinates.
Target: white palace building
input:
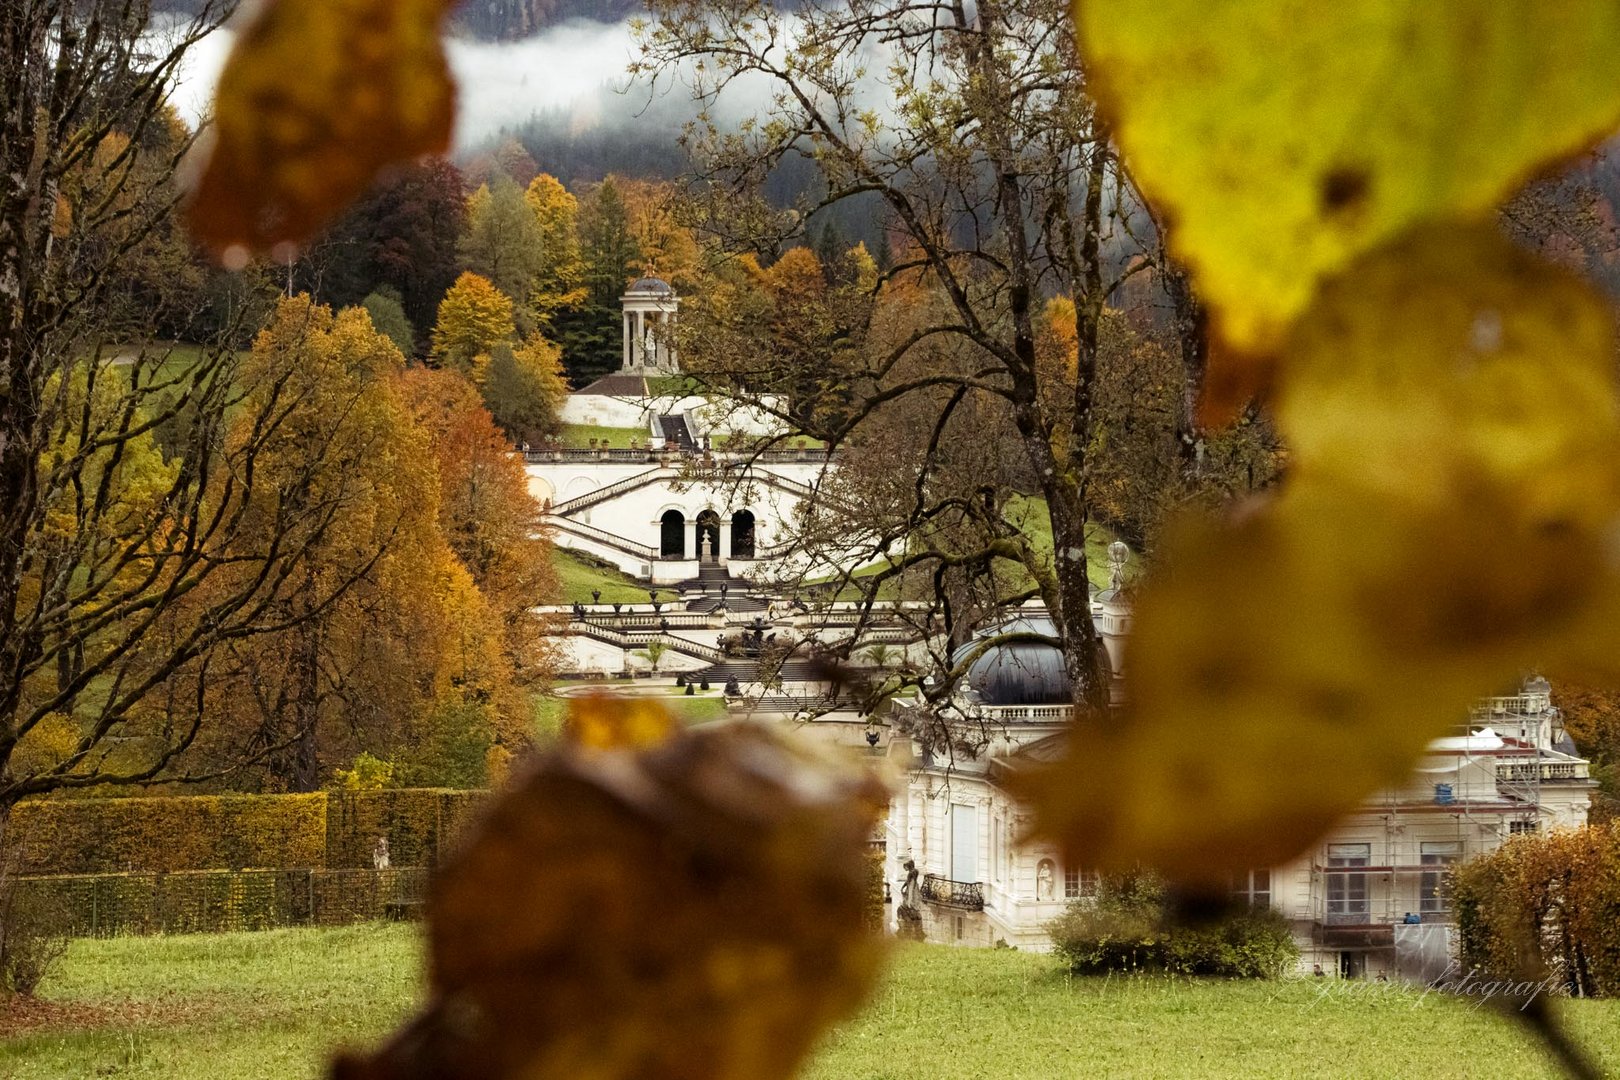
(677, 503)
(1369, 898)
(678, 509)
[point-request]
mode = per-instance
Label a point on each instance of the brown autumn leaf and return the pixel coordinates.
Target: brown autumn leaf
(1448, 524)
(316, 98)
(689, 911)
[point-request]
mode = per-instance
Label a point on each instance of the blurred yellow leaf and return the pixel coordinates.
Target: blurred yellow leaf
(1283, 138)
(694, 910)
(602, 722)
(317, 96)
(1448, 523)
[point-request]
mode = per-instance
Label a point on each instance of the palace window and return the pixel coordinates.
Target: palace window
(1346, 890)
(1078, 883)
(1431, 896)
(1252, 888)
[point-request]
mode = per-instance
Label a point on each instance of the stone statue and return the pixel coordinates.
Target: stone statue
(379, 854)
(911, 890)
(1044, 880)
(908, 916)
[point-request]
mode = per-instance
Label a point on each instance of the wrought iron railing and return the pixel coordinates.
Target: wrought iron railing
(958, 894)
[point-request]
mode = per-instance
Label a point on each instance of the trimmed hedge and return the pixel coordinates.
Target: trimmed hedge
(195, 832)
(336, 830)
(106, 905)
(875, 901)
(421, 824)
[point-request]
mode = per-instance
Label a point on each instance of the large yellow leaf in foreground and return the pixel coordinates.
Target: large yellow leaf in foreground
(1282, 138)
(693, 910)
(317, 96)
(1448, 524)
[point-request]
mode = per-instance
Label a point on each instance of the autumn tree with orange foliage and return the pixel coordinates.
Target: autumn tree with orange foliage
(421, 660)
(1434, 385)
(487, 515)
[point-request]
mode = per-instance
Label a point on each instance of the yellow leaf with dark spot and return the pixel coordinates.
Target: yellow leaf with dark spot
(1447, 525)
(1283, 138)
(691, 911)
(316, 98)
(602, 722)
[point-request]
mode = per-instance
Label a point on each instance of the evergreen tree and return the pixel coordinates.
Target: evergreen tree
(524, 389)
(592, 336)
(608, 244)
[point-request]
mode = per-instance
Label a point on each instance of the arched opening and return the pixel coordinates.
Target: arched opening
(708, 536)
(672, 535)
(742, 534)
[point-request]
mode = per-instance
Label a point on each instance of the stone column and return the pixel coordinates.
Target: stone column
(627, 340)
(725, 537)
(692, 540)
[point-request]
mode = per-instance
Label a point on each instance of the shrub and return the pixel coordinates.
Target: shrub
(368, 774)
(33, 937)
(1543, 906)
(1126, 928)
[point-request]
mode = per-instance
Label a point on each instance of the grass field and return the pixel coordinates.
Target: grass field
(269, 1006)
(579, 436)
(1029, 515)
(580, 574)
(700, 708)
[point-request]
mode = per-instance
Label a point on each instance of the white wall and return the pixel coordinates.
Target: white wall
(636, 515)
(713, 416)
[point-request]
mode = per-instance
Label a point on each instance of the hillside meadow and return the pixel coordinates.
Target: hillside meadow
(269, 1006)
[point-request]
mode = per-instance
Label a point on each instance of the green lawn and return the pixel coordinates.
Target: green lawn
(700, 708)
(1028, 513)
(579, 436)
(269, 1006)
(580, 574)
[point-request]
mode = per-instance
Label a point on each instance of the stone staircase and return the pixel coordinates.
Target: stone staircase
(746, 669)
(676, 431)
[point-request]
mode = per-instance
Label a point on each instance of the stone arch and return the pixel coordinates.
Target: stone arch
(1046, 880)
(742, 534)
(579, 485)
(708, 531)
(672, 535)
(541, 491)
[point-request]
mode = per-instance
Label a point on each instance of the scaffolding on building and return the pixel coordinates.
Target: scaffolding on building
(1389, 882)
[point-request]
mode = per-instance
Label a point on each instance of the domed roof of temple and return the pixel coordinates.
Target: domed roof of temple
(651, 286)
(1017, 672)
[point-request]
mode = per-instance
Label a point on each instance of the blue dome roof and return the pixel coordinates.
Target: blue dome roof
(652, 286)
(1019, 672)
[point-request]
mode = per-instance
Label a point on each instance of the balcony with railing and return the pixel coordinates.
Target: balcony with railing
(1544, 767)
(967, 895)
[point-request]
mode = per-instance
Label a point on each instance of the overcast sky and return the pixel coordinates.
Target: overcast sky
(501, 84)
